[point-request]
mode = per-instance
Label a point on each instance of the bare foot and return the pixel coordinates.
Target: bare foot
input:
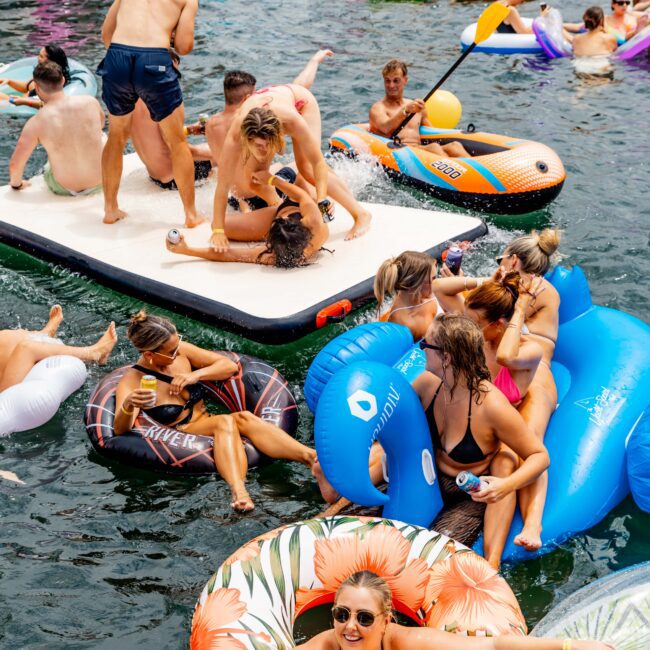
(361, 225)
(55, 320)
(112, 216)
(242, 501)
(327, 491)
(193, 220)
(321, 55)
(10, 476)
(530, 538)
(102, 349)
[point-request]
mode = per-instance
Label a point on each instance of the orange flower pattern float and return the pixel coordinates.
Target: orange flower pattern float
(258, 592)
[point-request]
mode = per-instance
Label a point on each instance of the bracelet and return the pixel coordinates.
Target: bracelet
(218, 231)
(131, 412)
(12, 100)
(185, 131)
(270, 180)
(17, 187)
(566, 644)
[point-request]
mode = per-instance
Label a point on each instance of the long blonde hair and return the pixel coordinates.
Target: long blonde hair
(261, 123)
(406, 272)
(535, 251)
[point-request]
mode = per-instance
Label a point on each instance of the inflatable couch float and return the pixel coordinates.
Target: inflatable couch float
(260, 302)
(614, 609)
(358, 388)
(37, 398)
(504, 175)
(256, 387)
(260, 590)
(82, 82)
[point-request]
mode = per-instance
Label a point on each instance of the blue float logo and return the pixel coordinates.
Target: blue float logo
(363, 405)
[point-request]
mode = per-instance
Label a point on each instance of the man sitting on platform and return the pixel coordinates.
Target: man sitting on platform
(70, 131)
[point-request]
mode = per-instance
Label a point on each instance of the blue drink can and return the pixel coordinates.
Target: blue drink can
(454, 258)
(468, 482)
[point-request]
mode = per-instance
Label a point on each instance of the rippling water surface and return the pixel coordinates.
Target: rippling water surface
(95, 555)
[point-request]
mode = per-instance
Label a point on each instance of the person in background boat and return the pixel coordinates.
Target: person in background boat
(512, 23)
(179, 367)
(293, 232)
(596, 41)
(29, 96)
(70, 130)
(138, 64)
(409, 278)
(387, 114)
(21, 350)
(362, 616)
(470, 420)
(296, 112)
(149, 143)
(499, 307)
(239, 86)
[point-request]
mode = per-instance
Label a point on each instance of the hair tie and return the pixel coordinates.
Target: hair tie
(510, 290)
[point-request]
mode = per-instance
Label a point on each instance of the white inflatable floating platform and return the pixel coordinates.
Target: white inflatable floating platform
(262, 303)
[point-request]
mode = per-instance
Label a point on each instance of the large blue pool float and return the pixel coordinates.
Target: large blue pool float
(82, 82)
(602, 371)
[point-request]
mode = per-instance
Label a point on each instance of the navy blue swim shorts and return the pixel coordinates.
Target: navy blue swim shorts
(146, 72)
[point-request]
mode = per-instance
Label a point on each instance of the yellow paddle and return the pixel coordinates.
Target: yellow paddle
(488, 21)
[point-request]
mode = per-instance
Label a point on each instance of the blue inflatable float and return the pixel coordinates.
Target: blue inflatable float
(602, 370)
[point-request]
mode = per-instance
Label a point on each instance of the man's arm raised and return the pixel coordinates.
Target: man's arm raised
(26, 144)
(184, 33)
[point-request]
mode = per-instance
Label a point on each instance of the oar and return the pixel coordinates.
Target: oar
(488, 21)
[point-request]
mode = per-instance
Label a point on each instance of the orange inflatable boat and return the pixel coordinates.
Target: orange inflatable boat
(504, 175)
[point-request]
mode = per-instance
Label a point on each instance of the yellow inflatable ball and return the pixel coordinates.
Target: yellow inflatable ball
(444, 109)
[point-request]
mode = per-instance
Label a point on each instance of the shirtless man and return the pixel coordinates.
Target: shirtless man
(70, 130)
(299, 115)
(138, 64)
(387, 114)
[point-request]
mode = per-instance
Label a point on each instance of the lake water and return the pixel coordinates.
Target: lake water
(96, 555)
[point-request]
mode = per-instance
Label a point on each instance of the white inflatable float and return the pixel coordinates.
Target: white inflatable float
(263, 303)
(500, 43)
(38, 397)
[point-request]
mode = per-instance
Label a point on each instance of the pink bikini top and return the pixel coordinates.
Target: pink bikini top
(506, 384)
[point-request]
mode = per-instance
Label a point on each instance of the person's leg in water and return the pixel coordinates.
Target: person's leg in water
(452, 149)
(171, 128)
(27, 353)
(537, 407)
(229, 455)
(498, 516)
(119, 130)
(307, 75)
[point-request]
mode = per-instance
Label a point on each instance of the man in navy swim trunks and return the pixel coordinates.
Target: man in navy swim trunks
(138, 64)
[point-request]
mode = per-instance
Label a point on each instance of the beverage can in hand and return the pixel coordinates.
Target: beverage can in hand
(469, 482)
(173, 237)
(149, 382)
(454, 258)
(203, 118)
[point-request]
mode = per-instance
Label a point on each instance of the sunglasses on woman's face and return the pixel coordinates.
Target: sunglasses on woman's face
(427, 346)
(621, 2)
(343, 614)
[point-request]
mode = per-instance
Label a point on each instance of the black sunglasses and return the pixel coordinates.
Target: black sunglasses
(621, 2)
(427, 346)
(364, 617)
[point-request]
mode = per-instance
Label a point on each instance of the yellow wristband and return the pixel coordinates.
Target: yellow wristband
(270, 180)
(127, 412)
(218, 231)
(566, 644)
(185, 131)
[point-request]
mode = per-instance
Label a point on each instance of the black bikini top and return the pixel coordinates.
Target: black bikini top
(169, 413)
(467, 451)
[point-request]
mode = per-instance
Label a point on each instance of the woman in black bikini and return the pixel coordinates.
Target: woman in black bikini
(179, 366)
(469, 419)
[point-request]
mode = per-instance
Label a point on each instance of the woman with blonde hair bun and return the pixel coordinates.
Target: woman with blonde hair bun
(408, 277)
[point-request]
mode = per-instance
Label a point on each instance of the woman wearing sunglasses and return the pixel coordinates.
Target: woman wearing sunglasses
(622, 24)
(179, 366)
(474, 428)
(362, 617)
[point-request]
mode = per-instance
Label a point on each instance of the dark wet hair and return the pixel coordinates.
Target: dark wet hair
(57, 55)
(287, 240)
(237, 84)
(48, 75)
(593, 18)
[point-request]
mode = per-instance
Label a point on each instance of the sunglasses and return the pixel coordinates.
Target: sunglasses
(621, 2)
(427, 346)
(174, 354)
(343, 614)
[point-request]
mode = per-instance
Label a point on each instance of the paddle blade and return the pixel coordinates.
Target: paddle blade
(489, 20)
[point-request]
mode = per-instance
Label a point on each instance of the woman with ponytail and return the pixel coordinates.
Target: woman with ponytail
(180, 366)
(408, 279)
(596, 41)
